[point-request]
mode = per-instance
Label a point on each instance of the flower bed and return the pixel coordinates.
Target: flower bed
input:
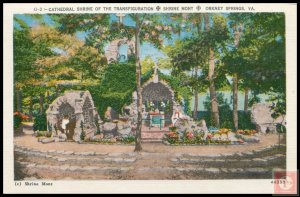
(19, 118)
(223, 136)
(129, 139)
(247, 135)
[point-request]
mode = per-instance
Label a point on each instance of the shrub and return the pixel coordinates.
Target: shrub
(172, 137)
(18, 118)
(128, 139)
(245, 120)
(115, 90)
(40, 122)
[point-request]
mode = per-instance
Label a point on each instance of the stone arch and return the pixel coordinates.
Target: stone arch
(112, 51)
(158, 92)
(65, 109)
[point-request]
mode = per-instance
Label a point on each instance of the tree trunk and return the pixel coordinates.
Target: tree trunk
(41, 103)
(195, 115)
(138, 137)
(237, 35)
(30, 109)
(246, 100)
(212, 88)
(212, 91)
(235, 101)
(19, 100)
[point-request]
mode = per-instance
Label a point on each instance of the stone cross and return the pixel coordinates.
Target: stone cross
(120, 15)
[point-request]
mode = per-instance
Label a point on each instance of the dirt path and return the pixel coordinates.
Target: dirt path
(31, 142)
(156, 162)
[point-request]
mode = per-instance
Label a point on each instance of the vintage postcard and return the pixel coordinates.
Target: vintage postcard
(150, 98)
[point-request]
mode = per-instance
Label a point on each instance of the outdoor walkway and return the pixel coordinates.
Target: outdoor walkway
(31, 142)
(69, 160)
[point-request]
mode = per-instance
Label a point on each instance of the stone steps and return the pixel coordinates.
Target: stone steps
(255, 162)
(78, 168)
(109, 169)
(151, 140)
(61, 153)
(153, 136)
(111, 172)
(148, 165)
(85, 159)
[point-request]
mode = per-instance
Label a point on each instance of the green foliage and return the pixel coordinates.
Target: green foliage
(115, 100)
(116, 88)
(118, 78)
(259, 60)
(279, 104)
(26, 52)
(40, 122)
(226, 117)
(128, 139)
(17, 120)
(253, 100)
(96, 24)
(181, 91)
(147, 64)
(147, 75)
(245, 120)
(280, 128)
(260, 57)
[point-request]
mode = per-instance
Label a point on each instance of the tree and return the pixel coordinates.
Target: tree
(217, 33)
(191, 23)
(45, 58)
(27, 75)
(251, 58)
(188, 55)
(145, 24)
(237, 27)
(192, 54)
(145, 27)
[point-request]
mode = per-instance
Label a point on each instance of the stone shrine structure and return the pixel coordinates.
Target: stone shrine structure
(72, 108)
(261, 116)
(112, 51)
